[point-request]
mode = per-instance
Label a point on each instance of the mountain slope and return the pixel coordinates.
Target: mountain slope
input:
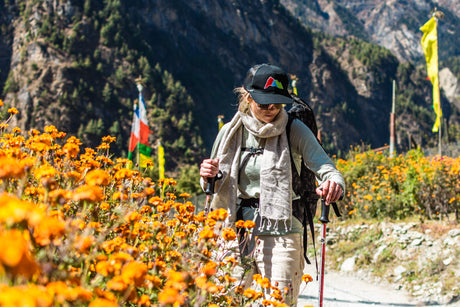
(73, 65)
(390, 24)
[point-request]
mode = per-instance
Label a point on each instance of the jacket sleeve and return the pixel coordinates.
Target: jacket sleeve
(214, 150)
(304, 144)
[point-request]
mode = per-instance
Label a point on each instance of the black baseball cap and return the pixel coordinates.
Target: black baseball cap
(268, 84)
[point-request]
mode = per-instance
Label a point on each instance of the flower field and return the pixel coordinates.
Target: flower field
(81, 228)
(78, 228)
(408, 185)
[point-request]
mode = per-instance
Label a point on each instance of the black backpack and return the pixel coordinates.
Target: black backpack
(303, 184)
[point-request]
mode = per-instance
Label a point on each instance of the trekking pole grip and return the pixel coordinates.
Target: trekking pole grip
(324, 212)
(211, 183)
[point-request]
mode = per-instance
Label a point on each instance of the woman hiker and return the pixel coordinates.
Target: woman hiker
(253, 155)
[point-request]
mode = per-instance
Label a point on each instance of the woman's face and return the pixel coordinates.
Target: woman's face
(264, 113)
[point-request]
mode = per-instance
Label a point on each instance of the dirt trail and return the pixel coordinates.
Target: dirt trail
(347, 291)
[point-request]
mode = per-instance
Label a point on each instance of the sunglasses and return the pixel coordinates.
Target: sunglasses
(267, 106)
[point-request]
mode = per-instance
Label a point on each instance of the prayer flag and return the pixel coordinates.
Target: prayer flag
(220, 122)
(140, 134)
(161, 161)
(430, 48)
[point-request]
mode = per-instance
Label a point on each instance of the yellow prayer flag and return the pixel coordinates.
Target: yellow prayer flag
(144, 160)
(430, 48)
(161, 161)
(220, 121)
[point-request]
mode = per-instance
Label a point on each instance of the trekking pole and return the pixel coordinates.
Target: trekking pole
(210, 190)
(324, 219)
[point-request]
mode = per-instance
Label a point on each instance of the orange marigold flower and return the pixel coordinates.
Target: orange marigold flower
(83, 245)
(119, 196)
(13, 111)
(1, 103)
(210, 268)
(239, 224)
(45, 171)
(74, 140)
(104, 268)
(228, 234)
(307, 278)
(155, 200)
(218, 215)
(144, 300)
(11, 168)
(102, 302)
(15, 255)
(104, 206)
(103, 146)
(171, 296)
(29, 295)
(207, 233)
(89, 193)
(264, 283)
(117, 284)
(149, 191)
(145, 209)
(135, 272)
(155, 280)
(47, 229)
(125, 173)
(72, 150)
(185, 195)
(109, 139)
(249, 224)
(250, 293)
(97, 177)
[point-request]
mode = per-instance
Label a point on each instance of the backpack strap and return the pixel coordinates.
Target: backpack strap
(307, 214)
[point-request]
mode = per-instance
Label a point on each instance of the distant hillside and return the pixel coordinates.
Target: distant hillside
(73, 65)
(390, 24)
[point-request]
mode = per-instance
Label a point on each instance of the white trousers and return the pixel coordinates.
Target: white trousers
(280, 259)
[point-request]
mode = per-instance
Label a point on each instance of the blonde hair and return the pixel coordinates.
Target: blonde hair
(244, 99)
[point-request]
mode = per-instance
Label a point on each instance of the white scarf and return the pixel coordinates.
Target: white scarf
(275, 172)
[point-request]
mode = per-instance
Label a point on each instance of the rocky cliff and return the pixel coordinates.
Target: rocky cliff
(390, 24)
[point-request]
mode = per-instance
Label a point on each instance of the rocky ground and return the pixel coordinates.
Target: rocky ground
(416, 260)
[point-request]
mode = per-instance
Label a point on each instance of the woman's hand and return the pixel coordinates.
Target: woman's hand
(329, 191)
(209, 168)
